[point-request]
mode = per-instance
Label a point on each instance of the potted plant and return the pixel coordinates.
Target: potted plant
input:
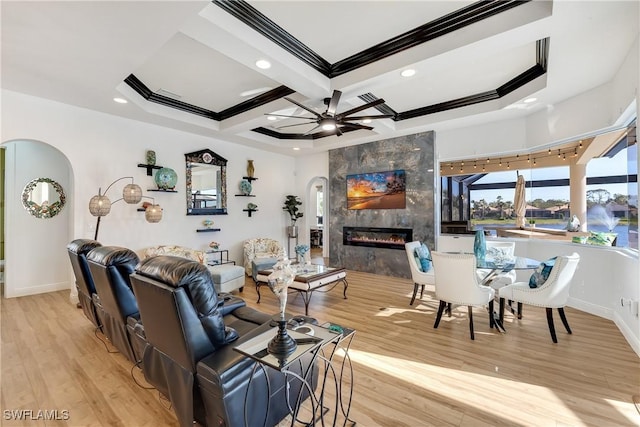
(532, 223)
(291, 206)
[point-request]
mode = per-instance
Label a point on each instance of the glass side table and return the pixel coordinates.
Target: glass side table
(218, 257)
(321, 344)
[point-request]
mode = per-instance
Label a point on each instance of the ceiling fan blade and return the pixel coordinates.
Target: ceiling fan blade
(360, 108)
(356, 126)
(304, 107)
(297, 124)
(311, 131)
(333, 104)
(290, 117)
(381, 116)
(338, 131)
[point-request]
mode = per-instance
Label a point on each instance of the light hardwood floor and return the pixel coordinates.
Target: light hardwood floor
(406, 372)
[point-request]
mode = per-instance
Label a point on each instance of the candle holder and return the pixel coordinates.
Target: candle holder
(282, 344)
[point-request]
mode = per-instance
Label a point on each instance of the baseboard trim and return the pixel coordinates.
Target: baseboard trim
(596, 310)
(34, 290)
(626, 331)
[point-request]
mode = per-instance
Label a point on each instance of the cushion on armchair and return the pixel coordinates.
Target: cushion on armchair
(541, 274)
(423, 258)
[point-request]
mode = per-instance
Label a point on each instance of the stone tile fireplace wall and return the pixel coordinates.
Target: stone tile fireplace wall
(414, 154)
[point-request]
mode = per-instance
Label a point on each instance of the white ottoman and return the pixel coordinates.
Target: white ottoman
(227, 277)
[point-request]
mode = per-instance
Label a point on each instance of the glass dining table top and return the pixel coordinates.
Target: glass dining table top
(512, 263)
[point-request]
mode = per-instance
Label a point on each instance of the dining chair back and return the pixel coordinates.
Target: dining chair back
(456, 283)
(420, 278)
(502, 278)
(553, 293)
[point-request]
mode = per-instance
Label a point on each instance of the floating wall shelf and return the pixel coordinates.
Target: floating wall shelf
(149, 168)
(250, 211)
(206, 230)
(163, 191)
(249, 178)
(245, 195)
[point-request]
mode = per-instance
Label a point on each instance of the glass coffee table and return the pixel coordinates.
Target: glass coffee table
(310, 278)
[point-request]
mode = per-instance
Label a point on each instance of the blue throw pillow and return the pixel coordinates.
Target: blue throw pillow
(541, 274)
(423, 256)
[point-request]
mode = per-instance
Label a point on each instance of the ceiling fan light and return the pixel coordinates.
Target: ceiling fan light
(327, 124)
(408, 72)
(365, 121)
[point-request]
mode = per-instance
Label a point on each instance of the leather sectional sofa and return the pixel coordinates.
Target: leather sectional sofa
(164, 314)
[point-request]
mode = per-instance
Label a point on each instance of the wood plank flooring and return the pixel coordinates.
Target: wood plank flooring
(406, 372)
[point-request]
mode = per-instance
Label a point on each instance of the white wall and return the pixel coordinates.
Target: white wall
(35, 262)
(102, 148)
(596, 109)
(604, 277)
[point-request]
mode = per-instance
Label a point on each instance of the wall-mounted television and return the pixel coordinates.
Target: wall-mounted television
(377, 190)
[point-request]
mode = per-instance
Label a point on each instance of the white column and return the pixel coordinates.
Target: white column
(578, 192)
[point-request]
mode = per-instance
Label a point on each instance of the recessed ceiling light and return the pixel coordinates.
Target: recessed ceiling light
(272, 118)
(296, 148)
(120, 100)
(263, 64)
(408, 72)
(366, 121)
(529, 100)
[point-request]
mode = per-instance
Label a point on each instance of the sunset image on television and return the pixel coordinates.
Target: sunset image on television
(376, 190)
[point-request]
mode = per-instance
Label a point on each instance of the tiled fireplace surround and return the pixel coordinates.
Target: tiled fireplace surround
(414, 154)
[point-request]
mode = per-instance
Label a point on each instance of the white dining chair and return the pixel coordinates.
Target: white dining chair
(502, 278)
(457, 283)
(553, 293)
(420, 278)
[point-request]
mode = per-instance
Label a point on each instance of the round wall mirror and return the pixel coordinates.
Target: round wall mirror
(43, 198)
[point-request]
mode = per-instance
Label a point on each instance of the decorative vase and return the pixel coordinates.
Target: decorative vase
(245, 187)
(282, 344)
(292, 231)
(151, 157)
(250, 168)
(480, 246)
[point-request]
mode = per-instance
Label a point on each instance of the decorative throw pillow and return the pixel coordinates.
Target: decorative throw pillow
(423, 257)
(541, 274)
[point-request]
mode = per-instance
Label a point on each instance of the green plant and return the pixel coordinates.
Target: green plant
(291, 206)
(532, 221)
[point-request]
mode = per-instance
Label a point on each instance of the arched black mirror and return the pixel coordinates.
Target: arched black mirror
(206, 178)
(43, 198)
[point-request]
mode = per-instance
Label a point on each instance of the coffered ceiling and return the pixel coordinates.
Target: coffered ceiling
(191, 65)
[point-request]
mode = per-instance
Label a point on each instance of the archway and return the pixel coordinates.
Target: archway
(317, 213)
(35, 259)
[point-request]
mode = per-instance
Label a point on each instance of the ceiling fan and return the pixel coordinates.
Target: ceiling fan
(331, 120)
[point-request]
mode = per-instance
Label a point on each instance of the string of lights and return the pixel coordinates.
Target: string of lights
(518, 161)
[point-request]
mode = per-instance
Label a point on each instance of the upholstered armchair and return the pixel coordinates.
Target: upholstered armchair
(189, 355)
(261, 250)
(78, 250)
(111, 267)
(553, 293)
(420, 278)
(456, 283)
(503, 278)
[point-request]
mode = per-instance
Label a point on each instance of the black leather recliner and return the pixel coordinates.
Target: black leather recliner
(111, 267)
(78, 250)
(189, 356)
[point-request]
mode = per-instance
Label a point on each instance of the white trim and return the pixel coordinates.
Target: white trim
(627, 333)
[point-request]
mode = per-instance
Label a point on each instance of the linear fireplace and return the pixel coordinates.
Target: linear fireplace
(390, 238)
